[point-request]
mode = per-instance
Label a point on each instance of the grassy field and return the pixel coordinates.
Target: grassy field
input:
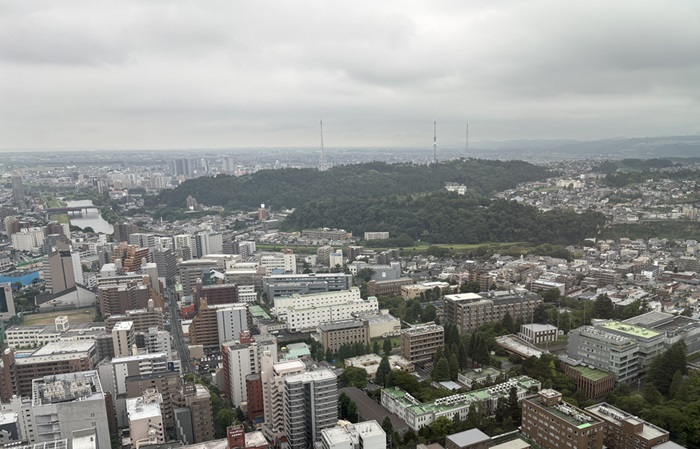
(74, 316)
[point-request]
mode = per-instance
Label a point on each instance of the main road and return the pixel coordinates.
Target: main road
(176, 329)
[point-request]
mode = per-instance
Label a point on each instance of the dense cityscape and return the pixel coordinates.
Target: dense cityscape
(132, 318)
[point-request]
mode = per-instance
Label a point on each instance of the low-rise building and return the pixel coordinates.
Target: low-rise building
(338, 333)
(370, 363)
(469, 439)
(365, 435)
(420, 342)
(538, 333)
(624, 431)
(553, 424)
(478, 377)
(594, 382)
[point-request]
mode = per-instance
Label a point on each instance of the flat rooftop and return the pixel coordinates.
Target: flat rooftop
(591, 373)
(630, 329)
(370, 409)
(614, 415)
(468, 437)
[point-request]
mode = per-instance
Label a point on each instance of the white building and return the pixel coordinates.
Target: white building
(158, 341)
(363, 435)
(282, 261)
(538, 333)
(243, 359)
(306, 312)
(146, 418)
(231, 320)
(123, 338)
(28, 239)
(272, 376)
(376, 235)
(247, 294)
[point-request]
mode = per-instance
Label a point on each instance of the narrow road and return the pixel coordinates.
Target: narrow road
(178, 338)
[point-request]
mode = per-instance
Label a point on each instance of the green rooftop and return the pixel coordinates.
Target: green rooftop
(591, 374)
(258, 311)
(629, 329)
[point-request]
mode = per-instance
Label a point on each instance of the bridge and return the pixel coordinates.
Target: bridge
(53, 210)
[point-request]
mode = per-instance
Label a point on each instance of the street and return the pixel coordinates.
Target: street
(178, 338)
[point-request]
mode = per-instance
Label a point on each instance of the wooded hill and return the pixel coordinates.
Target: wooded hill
(448, 218)
(291, 188)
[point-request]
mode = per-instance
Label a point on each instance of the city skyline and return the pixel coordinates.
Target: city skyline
(157, 76)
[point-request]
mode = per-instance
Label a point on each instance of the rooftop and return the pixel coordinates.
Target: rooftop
(469, 437)
(607, 412)
(630, 329)
(591, 373)
(66, 388)
(569, 413)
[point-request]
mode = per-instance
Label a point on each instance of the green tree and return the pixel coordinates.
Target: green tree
(604, 307)
(388, 428)
(383, 371)
(353, 377)
(676, 384)
(551, 296)
(507, 323)
(454, 366)
(225, 417)
(387, 346)
(442, 370)
(375, 347)
(353, 415)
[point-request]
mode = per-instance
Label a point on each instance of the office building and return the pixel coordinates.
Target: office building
(307, 312)
(592, 381)
(382, 325)
(155, 340)
(64, 404)
(115, 372)
(166, 263)
(376, 235)
(17, 191)
(218, 294)
(310, 405)
(323, 254)
(167, 384)
(418, 414)
(470, 311)
(122, 231)
(674, 328)
(625, 431)
(143, 319)
(285, 261)
(243, 357)
(232, 320)
(392, 287)
(278, 285)
(553, 424)
(338, 333)
(64, 271)
(365, 435)
(420, 342)
(538, 333)
(198, 400)
(28, 239)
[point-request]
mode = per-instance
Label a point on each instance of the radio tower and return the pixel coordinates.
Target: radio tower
(435, 141)
(322, 164)
(466, 144)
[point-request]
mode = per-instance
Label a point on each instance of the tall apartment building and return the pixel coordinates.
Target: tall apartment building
(146, 424)
(243, 357)
(18, 373)
(17, 191)
(339, 333)
(218, 294)
(272, 376)
(28, 239)
(365, 435)
(167, 384)
(306, 312)
(278, 285)
(625, 431)
(193, 270)
(218, 323)
(131, 256)
(64, 404)
(323, 254)
(117, 299)
(143, 319)
(470, 311)
(115, 372)
(122, 231)
(143, 240)
(123, 339)
(232, 320)
(310, 405)
(166, 263)
(420, 342)
(554, 424)
(155, 340)
(197, 398)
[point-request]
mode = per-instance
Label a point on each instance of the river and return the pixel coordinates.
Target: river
(89, 217)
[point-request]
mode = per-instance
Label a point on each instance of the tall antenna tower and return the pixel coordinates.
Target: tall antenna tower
(435, 141)
(322, 164)
(466, 143)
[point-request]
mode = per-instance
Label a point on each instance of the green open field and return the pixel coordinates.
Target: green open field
(74, 316)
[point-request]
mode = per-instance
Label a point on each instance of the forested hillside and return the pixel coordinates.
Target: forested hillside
(290, 188)
(448, 218)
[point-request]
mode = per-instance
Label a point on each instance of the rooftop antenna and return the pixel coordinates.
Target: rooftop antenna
(322, 164)
(435, 159)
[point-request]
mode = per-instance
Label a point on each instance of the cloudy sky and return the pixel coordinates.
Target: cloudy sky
(205, 74)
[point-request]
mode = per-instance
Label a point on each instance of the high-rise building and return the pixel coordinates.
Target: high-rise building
(303, 284)
(197, 398)
(64, 270)
(64, 404)
(243, 357)
(552, 424)
(167, 384)
(231, 321)
(123, 338)
(146, 424)
(229, 165)
(7, 302)
(122, 231)
(18, 191)
(117, 299)
(131, 256)
(166, 261)
(310, 405)
(273, 374)
(143, 319)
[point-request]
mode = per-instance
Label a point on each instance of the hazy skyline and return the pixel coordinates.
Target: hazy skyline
(173, 74)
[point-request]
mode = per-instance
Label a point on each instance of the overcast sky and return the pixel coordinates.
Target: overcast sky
(205, 74)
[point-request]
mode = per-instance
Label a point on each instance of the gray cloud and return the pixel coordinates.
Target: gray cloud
(176, 74)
